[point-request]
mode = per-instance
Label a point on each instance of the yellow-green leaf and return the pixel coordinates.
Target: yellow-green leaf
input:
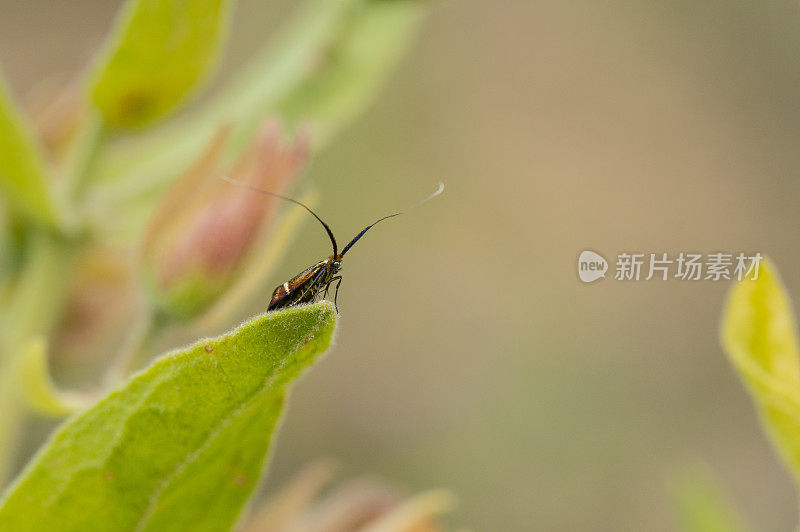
(158, 52)
(23, 173)
(760, 338)
(182, 444)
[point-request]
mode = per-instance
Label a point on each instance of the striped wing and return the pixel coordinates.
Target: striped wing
(299, 288)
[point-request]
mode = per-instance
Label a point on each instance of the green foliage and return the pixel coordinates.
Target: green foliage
(760, 338)
(188, 296)
(22, 171)
(701, 505)
(157, 54)
(369, 44)
(29, 312)
(182, 444)
(38, 388)
(323, 70)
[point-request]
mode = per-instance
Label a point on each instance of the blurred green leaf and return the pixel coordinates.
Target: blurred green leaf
(157, 53)
(37, 387)
(348, 75)
(182, 444)
(702, 507)
(759, 336)
(23, 173)
(31, 310)
(323, 70)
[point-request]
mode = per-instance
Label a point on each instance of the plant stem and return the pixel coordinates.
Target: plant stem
(33, 309)
(82, 155)
(37, 300)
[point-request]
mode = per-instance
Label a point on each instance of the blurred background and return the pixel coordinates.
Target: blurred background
(469, 355)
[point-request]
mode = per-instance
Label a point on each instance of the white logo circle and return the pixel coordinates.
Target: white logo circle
(591, 266)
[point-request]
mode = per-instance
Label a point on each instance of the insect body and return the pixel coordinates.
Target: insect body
(307, 285)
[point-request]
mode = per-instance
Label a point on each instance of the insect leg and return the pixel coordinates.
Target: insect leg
(338, 280)
(312, 289)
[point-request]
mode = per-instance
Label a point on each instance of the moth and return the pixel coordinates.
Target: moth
(306, 286)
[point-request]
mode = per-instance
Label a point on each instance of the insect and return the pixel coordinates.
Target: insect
(306, 286)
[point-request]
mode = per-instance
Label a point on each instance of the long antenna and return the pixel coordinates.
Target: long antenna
(367, 228)
(262, 191)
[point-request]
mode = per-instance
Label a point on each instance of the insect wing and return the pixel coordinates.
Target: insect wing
(288, 293)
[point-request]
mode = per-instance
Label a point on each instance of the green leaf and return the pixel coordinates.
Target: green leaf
(354, 67)
(702, 506)
(158, 52)
(23, 173)
(37, 387)
(182, 445)
(324, 70)
(760, 338)
(29, 312)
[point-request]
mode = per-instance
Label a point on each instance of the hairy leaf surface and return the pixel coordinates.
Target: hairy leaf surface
(181, 445)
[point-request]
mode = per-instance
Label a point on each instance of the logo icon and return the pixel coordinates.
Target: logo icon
(591, 266)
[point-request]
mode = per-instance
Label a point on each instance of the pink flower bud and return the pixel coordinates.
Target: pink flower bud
(205, 228)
